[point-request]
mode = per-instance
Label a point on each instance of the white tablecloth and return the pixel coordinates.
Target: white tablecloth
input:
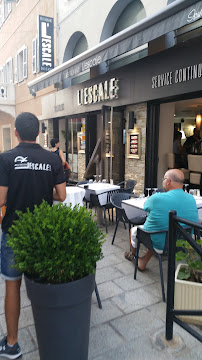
(74, 196)
(99, 188)
(198, 201)
(135, 207)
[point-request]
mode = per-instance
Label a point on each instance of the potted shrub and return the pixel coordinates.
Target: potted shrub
(188, 281)
(57, 248)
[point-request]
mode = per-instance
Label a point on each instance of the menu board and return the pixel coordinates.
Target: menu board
(81, 139)
(133, 144)
(134, 140)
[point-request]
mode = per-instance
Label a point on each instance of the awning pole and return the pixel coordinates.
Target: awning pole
(72, 146)
(111, 138)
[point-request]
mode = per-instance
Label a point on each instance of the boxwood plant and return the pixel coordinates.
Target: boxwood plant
(56, 244)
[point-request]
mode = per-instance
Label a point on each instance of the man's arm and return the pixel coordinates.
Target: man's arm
(3, 195)
(59, 192)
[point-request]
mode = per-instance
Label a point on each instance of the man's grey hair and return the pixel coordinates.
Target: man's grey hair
(175, 178)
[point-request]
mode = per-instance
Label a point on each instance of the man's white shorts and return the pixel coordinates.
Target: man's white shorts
(134, 238)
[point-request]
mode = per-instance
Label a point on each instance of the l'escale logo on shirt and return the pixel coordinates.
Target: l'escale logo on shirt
(22, 163)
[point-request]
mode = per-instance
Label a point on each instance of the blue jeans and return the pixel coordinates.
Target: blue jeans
(8, 272)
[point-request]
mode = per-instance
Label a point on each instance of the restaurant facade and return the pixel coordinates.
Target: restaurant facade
(119, 123)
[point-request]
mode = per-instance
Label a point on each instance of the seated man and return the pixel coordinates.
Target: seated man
(158, 207)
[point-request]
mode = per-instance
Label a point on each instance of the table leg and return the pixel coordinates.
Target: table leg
(99, 216)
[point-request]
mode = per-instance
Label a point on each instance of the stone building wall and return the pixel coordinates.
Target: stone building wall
(81, 166)
(135, 168)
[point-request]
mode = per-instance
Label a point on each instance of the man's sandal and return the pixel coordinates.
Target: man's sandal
(129, 256)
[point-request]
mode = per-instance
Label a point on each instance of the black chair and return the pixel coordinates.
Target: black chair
(127, 185)
(116, 201)
(143, 237)
(98, 296)
(95, 202)
(157, 191)
(198, 232)
(83, 182)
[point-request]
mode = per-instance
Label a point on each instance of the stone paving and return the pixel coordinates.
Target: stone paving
(130, 325)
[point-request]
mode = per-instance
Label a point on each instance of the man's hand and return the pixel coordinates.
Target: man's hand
(59, 192)
(3, 195)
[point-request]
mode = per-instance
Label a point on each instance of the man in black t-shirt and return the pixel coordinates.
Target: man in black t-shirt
(192, 140)
(28, 174)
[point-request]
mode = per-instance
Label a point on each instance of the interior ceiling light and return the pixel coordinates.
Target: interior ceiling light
(198, 121)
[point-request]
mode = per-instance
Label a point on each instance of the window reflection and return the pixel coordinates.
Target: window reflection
(76, 144)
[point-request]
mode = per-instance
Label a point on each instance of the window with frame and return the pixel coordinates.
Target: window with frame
(6, 137)
(6, 8)
(8, 71)
(4, 73)
(1, 14)
(1, 75)
(21, 65)
(34, 55)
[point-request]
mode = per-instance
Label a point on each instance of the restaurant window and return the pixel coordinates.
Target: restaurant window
(76, 45)
(80, 46)
(122, 15)
(132, 14)
(76, 144)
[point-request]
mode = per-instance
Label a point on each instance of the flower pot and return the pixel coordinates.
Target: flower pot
(62, 317)
(188, 296)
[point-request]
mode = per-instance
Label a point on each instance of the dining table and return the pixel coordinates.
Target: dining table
(100, 189)
(74, 196)
(135, 207)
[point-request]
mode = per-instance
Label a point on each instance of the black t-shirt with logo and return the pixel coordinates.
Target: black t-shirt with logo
(30, 173)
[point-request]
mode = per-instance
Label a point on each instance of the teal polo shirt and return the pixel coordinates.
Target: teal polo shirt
(158, 207)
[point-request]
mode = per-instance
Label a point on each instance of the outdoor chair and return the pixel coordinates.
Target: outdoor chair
(83, 182)
(157, 190)
(199, 232)
(96, 201)
(98, 296)
(127, 185)
(143, 237)
(121, 216)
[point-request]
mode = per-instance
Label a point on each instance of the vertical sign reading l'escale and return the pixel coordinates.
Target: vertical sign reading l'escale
(46, 43)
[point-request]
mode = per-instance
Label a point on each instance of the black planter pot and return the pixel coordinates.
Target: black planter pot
(62, 317)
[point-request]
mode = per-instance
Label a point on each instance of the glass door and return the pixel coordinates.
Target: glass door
(113, 144)
(75, 143)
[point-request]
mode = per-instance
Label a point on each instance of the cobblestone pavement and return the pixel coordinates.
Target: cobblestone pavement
(132, 321)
